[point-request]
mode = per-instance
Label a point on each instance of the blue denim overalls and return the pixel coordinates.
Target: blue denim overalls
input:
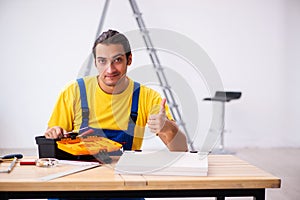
(123, 137)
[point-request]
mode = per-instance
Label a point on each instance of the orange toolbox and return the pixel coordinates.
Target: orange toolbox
(88, 146)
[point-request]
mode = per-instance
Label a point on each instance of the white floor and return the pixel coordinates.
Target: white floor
(283, 163)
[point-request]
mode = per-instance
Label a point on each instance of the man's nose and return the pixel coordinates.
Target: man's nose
(110, 68)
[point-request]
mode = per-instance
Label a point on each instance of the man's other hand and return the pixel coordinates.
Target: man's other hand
(55, 132)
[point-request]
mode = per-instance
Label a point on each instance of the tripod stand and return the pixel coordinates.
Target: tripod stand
(174, 108)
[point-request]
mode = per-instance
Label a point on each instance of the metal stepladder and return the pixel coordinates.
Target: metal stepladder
(155, 61)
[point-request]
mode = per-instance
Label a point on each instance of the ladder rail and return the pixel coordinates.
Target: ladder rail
(99, 29)
(152, 51)
(159, 70)
(174, 108)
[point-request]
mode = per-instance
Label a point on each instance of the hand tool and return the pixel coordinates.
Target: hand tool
(11, 156)
(11, 166)
(74, 133)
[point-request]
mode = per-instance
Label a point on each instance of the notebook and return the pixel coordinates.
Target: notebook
(162, 163)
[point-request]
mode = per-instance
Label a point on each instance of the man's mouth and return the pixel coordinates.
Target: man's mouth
(111, 75)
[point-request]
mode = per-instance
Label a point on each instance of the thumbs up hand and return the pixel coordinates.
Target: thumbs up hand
(157, 121)
(166, 129)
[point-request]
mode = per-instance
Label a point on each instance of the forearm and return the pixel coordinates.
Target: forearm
(173, 137)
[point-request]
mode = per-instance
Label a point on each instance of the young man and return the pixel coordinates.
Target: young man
(112, 104)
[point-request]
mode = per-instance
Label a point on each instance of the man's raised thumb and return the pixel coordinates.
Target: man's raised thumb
(162, 105)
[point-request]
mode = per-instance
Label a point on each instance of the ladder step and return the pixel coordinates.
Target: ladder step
(180, 123)
(137, 14)
(158, 68)
(172, 105)
(144, 31)
(151, 50)
(166, 87)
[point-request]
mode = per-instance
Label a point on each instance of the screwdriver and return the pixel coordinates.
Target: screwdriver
(15, 157)
(11, 156)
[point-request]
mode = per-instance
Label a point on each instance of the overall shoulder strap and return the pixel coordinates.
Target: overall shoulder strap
(84, 104)
(135, 102)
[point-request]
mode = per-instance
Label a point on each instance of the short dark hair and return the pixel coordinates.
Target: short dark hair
(113, 37)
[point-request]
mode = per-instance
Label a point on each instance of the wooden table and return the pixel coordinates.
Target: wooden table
(228, 176)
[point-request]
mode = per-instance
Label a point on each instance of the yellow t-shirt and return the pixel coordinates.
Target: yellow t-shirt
(107, 111)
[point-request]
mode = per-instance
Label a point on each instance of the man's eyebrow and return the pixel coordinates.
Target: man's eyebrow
(115, 56)
(118, 55)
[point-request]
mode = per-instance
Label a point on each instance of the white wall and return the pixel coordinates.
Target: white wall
(253, 43)
(292, 72)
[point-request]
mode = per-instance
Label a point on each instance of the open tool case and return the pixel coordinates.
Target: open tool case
(75, 148)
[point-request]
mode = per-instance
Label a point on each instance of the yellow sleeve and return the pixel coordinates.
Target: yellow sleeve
(63, 114)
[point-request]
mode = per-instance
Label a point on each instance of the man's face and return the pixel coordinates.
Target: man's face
(111, 64)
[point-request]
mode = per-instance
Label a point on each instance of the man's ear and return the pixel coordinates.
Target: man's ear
(129, 60)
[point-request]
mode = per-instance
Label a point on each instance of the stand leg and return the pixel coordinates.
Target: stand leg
(221, 149)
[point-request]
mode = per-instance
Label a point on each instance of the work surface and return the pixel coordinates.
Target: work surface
(225, 172)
